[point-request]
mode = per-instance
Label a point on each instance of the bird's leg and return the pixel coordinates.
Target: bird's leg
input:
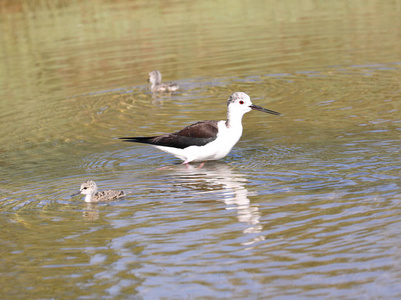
(199, 167)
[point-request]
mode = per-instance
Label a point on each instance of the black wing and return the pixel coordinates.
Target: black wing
(198, 134)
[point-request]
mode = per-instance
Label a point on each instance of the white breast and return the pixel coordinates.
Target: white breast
(219, 148)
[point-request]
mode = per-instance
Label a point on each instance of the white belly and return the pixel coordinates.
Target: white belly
(219, 148)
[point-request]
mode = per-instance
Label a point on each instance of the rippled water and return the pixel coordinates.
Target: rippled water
(306, 205)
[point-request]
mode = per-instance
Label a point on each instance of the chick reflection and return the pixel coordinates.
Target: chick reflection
(91, 212)
(216, 176)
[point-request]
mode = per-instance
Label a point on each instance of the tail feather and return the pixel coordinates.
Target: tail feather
(138, 139)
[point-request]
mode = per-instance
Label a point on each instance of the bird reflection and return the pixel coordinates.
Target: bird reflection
(91, 212)
(221, 176)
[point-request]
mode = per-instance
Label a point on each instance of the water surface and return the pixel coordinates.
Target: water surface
(306, 205)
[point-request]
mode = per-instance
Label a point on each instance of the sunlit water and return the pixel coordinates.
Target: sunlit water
(306, 204)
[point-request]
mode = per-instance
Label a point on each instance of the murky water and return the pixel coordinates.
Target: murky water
(306, 204)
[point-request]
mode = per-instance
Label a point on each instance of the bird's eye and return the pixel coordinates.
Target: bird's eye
(241, 102)
(84, 187)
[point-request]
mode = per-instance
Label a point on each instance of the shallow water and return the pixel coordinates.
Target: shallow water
(305, 205)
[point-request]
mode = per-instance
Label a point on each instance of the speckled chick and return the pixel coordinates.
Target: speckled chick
(155, 78)
(89, 188)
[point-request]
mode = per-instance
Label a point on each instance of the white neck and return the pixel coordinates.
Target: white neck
(88, 198)
(156, 80)
(234, 119)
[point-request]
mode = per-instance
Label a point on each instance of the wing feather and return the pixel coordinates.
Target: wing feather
(198, 134)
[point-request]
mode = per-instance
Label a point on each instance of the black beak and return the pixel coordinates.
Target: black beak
(76, 194)
(256, 107)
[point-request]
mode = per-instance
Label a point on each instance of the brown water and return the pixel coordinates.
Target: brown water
(306, 204)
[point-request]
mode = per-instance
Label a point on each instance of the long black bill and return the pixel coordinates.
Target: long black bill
(256, 107)
(76, 194)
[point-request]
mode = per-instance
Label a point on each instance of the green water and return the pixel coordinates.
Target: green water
(306, 205)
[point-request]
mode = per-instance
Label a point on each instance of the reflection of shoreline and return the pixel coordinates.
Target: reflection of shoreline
(220, 176)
